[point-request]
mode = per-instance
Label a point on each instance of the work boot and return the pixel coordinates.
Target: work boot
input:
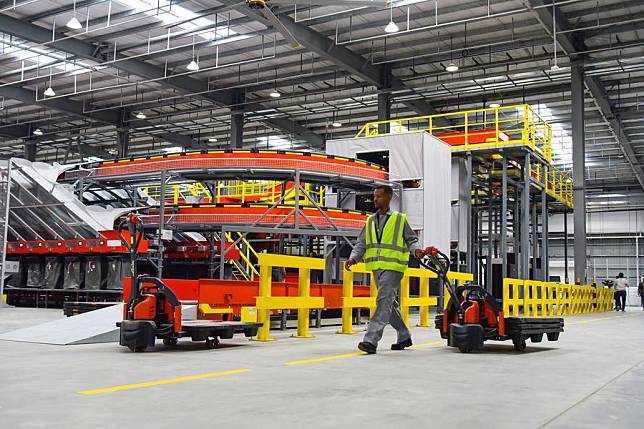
(368, 348)
(402, 345)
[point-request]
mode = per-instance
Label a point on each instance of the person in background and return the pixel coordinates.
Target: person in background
(640, 291)
(385, 244)
(621, 286)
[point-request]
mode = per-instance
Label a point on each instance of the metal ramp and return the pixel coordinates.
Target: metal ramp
(98, 326)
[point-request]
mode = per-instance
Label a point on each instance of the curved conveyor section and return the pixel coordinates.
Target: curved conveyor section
(253, 164)
(205, 216)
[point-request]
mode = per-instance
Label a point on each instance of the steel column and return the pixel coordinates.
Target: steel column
(525, 220)
(236, 130)
(566, 246)
(469, 262)
(504, 218)
(544, 235)
(30, 151)
(578, 171)
(123, 141)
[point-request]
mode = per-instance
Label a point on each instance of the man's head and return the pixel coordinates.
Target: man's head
(382, 197)
(620, 275)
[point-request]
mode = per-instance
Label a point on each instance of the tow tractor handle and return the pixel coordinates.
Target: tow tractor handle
(442, 270)
(135, 231)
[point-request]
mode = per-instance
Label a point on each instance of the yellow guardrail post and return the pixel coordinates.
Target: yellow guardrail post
(303, 302)
(349, 302)
(264, 314)
(423, 302)
(512, 289)
(424, 310)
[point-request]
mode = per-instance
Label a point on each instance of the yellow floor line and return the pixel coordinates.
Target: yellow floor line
(350, 355)
(161, 382)
(324, 359)
(431, 343)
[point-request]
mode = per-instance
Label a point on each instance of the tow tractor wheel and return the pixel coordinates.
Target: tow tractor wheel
(519, 343)
(464, 349)
(138, 349)
(211, 343)
(170, 342)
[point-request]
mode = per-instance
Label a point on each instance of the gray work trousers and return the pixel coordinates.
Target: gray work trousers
(387, 308)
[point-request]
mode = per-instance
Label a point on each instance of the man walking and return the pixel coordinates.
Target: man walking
(621, 285)
(640, 291)
(385, 243)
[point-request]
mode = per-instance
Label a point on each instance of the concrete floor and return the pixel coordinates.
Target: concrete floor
(592, 378)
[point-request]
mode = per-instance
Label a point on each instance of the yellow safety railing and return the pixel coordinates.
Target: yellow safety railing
(492, 127)
(532, 298)
(266, 303)
(248, 271)
(558, 183)
(267, 191)
(349, 302)
(456, 278)
(423, 302)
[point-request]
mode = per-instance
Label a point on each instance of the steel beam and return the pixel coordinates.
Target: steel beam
(572, 43)
(578, 171)
(201, 89)
(77, 109)
(340, 56)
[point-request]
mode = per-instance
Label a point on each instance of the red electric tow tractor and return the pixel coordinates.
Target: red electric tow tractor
(473, 316)
(153, 310)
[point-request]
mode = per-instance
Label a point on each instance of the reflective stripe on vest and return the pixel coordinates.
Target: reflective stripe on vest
(392, 252)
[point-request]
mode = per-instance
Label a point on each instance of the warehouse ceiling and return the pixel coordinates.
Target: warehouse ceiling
(162, 75)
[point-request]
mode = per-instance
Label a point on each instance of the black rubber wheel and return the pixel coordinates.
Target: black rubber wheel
(536, 338)
(170, 342)
(139, 349)
(211, 343)
(464, 349)
(519, 344)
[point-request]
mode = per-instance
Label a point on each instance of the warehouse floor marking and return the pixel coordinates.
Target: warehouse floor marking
(291, 363)
(350, 355)
(161, 382)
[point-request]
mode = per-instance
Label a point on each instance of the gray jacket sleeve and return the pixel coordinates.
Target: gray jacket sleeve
(360, 248)
(410, 238)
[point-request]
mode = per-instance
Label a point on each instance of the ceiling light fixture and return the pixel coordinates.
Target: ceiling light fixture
(140, 115)
(194, 64)
(451, 67)
(275, 94)
(38, 132)
(212, 140)
(391, 27)
(495, 105)
(336, 124)
(554, 67)
(49, 92)
(74, 23)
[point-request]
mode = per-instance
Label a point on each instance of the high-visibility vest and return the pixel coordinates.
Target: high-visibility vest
(388, 252)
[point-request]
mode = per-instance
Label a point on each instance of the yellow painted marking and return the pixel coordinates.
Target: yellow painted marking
(350, 355)
(431, 343)
(324, 359)
(161, 382)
